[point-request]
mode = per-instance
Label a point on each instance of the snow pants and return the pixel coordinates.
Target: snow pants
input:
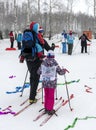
(12, 43)
(63, 47)
(49, 98)
(70, 48)
(34, 77)
(84, 47)
(19, 45)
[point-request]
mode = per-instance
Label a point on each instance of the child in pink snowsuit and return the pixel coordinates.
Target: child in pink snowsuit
(48, 70)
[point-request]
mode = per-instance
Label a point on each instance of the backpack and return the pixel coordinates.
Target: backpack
(28, 43)
(83, 38)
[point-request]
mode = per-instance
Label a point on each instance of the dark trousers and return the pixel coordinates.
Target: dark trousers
(84, 47)
(11, 44)
(34, 77)
(70, 48)
(19, 45)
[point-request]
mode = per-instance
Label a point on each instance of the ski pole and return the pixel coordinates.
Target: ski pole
(42, 95)
(56, 94)
(24, 84)
(67, 93)
(76, 46)
(89, 45)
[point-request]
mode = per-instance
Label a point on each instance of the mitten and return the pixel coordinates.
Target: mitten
(53, 46)
(65, 70)
(21, 59)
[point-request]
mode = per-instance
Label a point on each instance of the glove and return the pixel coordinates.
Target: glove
(53, 46)
(21, 59)
(65, 70)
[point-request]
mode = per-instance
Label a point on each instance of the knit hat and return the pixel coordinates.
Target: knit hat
(41, 30)
(50, 54)
(70, 32)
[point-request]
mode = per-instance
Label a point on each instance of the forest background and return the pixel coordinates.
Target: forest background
(54, 15)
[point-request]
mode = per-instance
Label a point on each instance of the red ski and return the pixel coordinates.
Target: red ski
(24, 102)
(24, 108)
(6, 108)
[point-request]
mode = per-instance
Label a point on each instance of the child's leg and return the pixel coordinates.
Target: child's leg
(45, 97)
(49, 98)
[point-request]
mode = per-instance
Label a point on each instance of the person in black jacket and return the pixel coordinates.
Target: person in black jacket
(84, 40)
(33, 66)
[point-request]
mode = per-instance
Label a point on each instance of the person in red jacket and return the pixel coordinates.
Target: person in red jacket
(40, 35)
(11, 38)
(43, 42)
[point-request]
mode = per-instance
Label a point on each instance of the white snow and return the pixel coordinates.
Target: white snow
(81, 66)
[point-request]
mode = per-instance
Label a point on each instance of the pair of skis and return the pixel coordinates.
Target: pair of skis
(43, 112)
(63, 103)
(25, 107)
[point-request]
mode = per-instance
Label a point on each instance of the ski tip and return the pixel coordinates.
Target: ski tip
(78, 80)
(60, 98)
(15, 114)
(72, 96)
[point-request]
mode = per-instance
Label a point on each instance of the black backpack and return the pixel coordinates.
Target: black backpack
(83, 38)
(28, 43)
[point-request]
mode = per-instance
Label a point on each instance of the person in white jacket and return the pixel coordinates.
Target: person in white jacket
(64, 41)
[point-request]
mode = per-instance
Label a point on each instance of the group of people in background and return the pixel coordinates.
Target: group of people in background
(17, 37)
(68, 42)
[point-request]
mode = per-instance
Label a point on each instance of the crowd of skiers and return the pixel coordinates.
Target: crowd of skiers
(68, 42)
(38, 64)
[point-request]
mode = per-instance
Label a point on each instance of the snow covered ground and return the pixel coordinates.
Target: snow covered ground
(81, 66)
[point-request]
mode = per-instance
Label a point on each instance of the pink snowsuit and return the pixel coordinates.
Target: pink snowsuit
(49, 81)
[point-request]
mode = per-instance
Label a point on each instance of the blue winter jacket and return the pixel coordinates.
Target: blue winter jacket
(19, 37)
(70, 39)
